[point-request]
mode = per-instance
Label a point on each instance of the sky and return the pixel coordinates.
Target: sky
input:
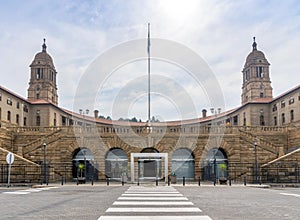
(78, 33)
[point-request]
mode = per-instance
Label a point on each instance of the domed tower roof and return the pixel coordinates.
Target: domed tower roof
(43, 58)
(255, 56)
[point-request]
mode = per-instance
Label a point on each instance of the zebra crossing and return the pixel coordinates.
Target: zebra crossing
(27, 191)
(149, 203)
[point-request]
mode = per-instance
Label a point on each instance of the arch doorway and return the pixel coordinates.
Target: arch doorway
(149, 167)
(116, 164)
(216, 165)
(183, 163)
(83, 164)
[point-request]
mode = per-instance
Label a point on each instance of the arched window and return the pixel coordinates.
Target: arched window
(116, 163)
(183, 163)
(17, 119)
(38, 74)
(216, 165)
(8, 116)
(83, 164)
(38, 120)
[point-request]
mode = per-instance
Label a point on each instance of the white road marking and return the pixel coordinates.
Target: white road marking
(198, 217)
(290, 194)
(27, 191)
(151, 203)
(146, 192)
(145, 203)
(16, 193)
(152, 198)
(153, 194)
(154, 210)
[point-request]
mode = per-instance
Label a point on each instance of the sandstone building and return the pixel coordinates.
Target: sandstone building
(259, 140)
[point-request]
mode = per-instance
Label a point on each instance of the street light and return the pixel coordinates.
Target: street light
(255, 158)
(45, 168)
(84, 154)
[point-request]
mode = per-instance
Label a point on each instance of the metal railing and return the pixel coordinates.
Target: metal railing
(283, 172)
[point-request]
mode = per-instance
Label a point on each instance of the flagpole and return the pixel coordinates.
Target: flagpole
(148, 50)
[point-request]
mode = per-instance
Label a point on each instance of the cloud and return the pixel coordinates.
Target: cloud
(79, 31)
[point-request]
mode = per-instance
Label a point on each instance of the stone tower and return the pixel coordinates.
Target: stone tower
(256, 76)
(42, 84)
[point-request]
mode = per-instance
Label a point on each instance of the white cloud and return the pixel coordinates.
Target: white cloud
(220, 32)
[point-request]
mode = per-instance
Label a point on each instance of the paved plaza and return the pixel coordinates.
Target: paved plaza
(147, 201)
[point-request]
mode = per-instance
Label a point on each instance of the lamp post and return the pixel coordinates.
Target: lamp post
(255, 161)
(84, 154)
(45, 168)
(86, 112)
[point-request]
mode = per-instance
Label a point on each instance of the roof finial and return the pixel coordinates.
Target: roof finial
(254, 45)
(44, 46)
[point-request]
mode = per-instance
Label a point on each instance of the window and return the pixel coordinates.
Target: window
(8, 116)
(1, 96)
(38, 120)
(38, 74)
(25, 108)
(25, 121)
(291, 101)
(235, 120)
(259, 72)
(274, 108)
(275, 121)
(63, 120)
(283, 118)
(9, 101)
(262, 120)
(37, 96)
(247, 75)
(18, 105)
(261, 95)
(17, 119)
(292, 115)
(282, 104)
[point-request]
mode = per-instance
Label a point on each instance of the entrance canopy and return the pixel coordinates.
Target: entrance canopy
(149, 155)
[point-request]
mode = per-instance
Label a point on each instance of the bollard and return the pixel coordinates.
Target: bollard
(156, 182)
(183, 181)
(215, 181)
(245, 181)
(62, 180)
(107, 181)
(138, 182)
(92, 181)
(229, 181)
(199, 181)
(169, 181)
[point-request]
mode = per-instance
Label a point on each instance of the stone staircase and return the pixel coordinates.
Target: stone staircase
(261, 143)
